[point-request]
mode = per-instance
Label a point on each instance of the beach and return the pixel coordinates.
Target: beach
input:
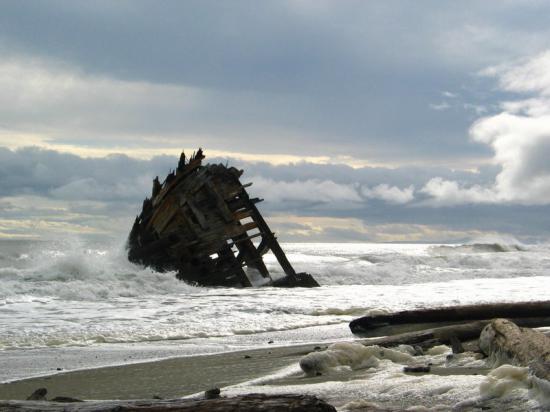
(169, 378)
(453, 381)
(269, 370)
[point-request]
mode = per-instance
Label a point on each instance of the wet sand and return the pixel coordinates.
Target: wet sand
(169, 378)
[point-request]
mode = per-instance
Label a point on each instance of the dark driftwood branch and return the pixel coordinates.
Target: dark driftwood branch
(430, 337)
(453, 314)
(244, 403)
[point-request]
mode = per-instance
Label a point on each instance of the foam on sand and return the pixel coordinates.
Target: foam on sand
(354, 377)
(504, 380)
(350, 355)
(363, 405)
(509, 383)
(439, 350)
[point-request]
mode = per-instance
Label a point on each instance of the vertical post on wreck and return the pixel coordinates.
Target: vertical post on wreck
(269, 238)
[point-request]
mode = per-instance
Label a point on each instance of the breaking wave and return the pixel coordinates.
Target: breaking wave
(75, 270)
(72, 270)
(360, 264)
(486, 244)
(72, 292)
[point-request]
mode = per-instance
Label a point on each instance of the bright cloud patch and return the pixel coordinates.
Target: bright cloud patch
(519, 137)
(312, 190)
(390, 194)
(60, 103)
(447, 193)
(316, 191)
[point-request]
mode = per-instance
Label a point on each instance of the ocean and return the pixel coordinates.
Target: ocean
(72, 303)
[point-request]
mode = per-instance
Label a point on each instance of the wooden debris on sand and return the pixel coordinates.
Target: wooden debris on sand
(469, 328)
(201, 223)
(243, 403)
(507, 342)
(446, 335)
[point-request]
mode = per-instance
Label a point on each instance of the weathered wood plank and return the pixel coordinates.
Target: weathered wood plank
(444, 335)
(244, 403)
(220, 203)
(241, 215)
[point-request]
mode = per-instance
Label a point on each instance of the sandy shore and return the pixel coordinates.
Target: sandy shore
(274, 371)
(356, 377)
(169, 378)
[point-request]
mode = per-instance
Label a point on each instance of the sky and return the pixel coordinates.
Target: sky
(356, 121)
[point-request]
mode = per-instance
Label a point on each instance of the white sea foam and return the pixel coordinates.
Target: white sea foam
(350, 355)
(73, 270)
(540, 391)
(354, 378)
(407, 264)
(74, 292)
(504, 380)
(513, 386)
(439, 350)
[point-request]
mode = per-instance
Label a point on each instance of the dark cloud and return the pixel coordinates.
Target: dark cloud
(46, 172)
(339, 77)
(383, 83)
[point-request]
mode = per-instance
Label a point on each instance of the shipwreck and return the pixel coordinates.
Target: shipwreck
(201, 223)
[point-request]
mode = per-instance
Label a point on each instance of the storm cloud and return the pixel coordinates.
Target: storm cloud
(338, 77)
(45, 192)
(381, 121)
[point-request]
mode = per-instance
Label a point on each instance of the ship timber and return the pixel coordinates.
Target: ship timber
(202, 224)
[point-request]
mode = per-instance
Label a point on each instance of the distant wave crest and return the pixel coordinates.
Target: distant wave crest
(479, 248)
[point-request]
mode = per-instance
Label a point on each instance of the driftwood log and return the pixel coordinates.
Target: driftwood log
(455, 314)
(507, 342)
(244, 403)
(428, 338)
(446, 335)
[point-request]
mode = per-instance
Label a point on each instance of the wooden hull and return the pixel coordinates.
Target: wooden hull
(201, 223)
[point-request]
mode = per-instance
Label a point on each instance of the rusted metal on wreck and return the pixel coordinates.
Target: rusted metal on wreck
(202, 223)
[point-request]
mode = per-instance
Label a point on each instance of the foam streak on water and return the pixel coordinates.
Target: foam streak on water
(76, 293)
